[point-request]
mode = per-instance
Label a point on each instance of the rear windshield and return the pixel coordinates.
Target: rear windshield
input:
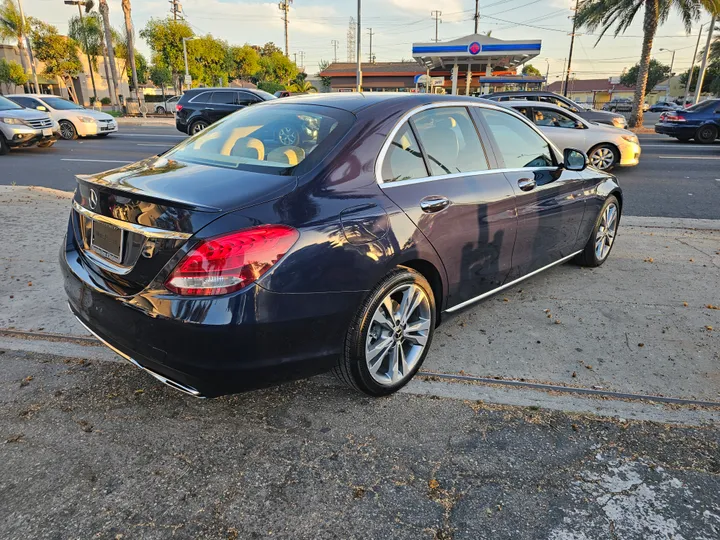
(273, 138)
(702, 105)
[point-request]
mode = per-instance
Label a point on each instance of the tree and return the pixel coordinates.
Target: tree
(326, 81)
(302, 87)
(208, 60)
(657, 73)
(164, 37)
(161, 76)
(712, 73)
(269, 49)
(130, 33)
(531, 70)
(58, 53)
(715, 86)
(244, 62)
(11, 27)
(277, 68)
(12, 74)
(606, 14)
(142, 66)
(110, 51)
(87, 32)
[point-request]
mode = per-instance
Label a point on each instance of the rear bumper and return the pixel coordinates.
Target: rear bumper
(180, 125)
(213, 346)
(675, 130)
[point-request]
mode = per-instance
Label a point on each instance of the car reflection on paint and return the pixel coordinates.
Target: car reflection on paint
(234, 261)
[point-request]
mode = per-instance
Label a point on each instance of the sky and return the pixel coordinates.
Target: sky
(396, 24)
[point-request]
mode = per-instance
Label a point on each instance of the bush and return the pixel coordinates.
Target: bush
(106, 101)
(270, 86)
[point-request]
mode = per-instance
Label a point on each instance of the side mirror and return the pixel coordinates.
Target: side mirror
(41, 108)
(574, 160)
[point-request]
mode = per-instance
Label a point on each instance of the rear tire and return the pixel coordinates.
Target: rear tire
(160, 110)
(390, 335)
(706, 134)
(67, 130)
(4, 148)
(197, 126)
(603, 235)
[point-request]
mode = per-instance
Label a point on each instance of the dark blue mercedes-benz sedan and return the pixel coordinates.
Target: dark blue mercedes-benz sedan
(232, 261)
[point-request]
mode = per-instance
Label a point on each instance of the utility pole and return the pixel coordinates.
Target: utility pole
(436, 15)
(358, 56)
(284, 6)
(547, 74)
(371, 59)
(175, 9)
(572, 44)
(29, 48)
(295, 58)
(563, 83)
(692, 68)
(302, 58)
(335, 44)
(672, 61)
(477, 15)
(703, 65)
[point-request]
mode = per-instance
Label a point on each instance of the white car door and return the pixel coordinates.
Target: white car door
(564, 130)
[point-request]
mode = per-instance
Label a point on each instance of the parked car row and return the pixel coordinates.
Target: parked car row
(40, 119)
(700, 122)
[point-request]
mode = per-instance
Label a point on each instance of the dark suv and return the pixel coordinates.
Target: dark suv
(619, 104)
(200, 107)
(591, 115)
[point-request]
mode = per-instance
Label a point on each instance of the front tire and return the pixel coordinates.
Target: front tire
(603, 236)
(390, 335)
(4, 148)
(67, 130)
(603, 157)
(706, 134)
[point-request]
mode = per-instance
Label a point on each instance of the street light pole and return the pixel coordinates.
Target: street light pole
(358, 74)
(79, 4)
(672, 61)
(187, 72)
(29, 48)
(703, 65)
(692, 68)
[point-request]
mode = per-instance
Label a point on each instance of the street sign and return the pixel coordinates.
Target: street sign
(188, 80)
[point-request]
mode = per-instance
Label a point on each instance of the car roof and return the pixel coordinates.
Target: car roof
(212, 88)
(356, 101)
(523, 93)
(36, 96)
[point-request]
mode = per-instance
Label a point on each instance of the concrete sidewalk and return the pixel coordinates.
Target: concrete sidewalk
(638, 324)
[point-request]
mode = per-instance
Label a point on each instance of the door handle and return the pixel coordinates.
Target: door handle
(526, 184)
(434, 203)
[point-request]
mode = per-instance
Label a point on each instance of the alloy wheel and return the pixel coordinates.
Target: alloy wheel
(605, 235)
(398, 334)
(602, 158)
(67, 130)
(287, 136)
(197, 127)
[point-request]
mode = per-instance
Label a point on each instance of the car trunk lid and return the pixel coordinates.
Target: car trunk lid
(130, 222)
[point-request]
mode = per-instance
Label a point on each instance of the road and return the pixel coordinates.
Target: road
(673, 179)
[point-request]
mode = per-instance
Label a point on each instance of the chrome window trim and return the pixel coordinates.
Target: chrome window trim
(147, 232)
(518, 280)
(404, 118)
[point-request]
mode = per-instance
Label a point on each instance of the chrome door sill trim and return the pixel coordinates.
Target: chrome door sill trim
(148, 232)
(169, 382)
(490, 293)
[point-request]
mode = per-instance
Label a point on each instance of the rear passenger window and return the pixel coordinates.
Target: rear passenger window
(403, 160)
(223, 98)
(520, 146)
(203, 97)
(450, 141)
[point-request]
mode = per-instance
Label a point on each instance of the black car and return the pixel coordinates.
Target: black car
(664, 106)
(200, 107)
(230, 263)
(591, 115)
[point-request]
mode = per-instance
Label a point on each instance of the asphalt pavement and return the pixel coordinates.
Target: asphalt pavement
(673, 179)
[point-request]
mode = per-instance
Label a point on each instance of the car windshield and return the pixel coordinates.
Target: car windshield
(266, 95)
(61, 104)
(7, 105)
(271, 138)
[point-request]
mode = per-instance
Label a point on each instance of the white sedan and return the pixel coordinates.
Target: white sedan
(75, 121)
(606, 146)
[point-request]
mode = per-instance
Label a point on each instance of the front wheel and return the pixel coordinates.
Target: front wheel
(603, 236)
(390, 335)
(603, 157)
(706, 134)
(67, 130)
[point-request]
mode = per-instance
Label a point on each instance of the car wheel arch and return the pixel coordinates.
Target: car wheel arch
(431, 273)
(612, 145)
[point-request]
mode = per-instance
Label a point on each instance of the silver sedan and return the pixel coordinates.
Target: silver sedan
(606, 146)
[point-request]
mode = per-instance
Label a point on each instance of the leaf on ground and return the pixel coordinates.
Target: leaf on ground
(15, 438)
(433, 484)
(685, 304)
(641, 344)
(26, 380)
(574, 374)
(709, 328)
(649, 260)
(710, 306)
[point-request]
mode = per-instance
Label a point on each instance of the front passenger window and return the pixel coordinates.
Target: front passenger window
(403, 160)
(519, 145)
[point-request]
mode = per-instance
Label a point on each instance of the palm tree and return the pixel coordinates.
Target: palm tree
(304, 86)
(105, 12)
(131, 47)
(11, 28)
(87, 31)
(606, 14)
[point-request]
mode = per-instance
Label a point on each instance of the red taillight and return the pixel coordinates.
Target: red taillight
(178, 108)
(230, 262)
(674, 118)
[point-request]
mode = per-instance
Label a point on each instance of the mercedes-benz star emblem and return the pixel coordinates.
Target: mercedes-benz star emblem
(93, 199)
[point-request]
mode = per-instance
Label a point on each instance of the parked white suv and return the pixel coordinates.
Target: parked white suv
(167, 106)
(75, 121)
(21, 127)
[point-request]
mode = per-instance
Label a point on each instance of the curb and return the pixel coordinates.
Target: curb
(671, 223)
(145, 121)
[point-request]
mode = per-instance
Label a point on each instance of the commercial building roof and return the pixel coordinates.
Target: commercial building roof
(590, 85)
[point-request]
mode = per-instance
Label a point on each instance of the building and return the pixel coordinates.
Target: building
(473, 65)
(593, 92)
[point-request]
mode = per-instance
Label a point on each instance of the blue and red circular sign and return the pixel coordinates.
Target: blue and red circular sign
(474, 48)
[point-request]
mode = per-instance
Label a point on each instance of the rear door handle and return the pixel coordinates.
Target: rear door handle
(434, 203)
(526, 184)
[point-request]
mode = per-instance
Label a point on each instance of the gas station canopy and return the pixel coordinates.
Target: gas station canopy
(476, 50)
